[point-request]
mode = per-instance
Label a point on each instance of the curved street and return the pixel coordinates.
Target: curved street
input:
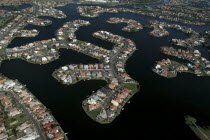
(35, 122)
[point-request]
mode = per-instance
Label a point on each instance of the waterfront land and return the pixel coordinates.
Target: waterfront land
(197, 64)
(5, 19)
(16, 3)
(189, 2)
(121, 87)
(180, 13)
(36, 121)
(119, 2)
(23, 115)
(133, 26)
(104, 105)
(202, 132)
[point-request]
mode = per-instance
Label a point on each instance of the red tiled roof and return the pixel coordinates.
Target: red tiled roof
(27, 100)
(2, 97)
(35, 107)
(113, 107)
(48, 125)
(40, 111)
(123, 75)
(58, 136)
(55, 129)
(126, 90)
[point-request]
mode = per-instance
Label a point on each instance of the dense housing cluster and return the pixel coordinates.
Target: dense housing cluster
(68, 30)
(12, 116)
(197, 64)
(195, 39)
(47, 8)
(103, 107)
(159, 30)
(39, 52)
(35, 112)
(9, 32)
(39, 22)
(111, 69)
(133, 26)
(120, 2)
(27, 33)
(28, 117)
(105, 104)
(161, 11)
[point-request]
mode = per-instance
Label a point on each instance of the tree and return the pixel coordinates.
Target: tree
(190, 120)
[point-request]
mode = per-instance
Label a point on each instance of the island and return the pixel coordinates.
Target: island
(133, 26)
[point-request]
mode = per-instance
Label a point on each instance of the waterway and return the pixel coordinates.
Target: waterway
(156, 112)
(15, 8)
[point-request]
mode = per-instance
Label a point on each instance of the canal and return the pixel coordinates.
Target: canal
(156, 112)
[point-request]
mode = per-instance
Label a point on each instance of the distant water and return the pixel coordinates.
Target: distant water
(13, 8)
(155, 113)
(166, 1)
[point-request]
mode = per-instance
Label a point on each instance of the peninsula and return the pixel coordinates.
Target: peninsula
(133, 26)
(23, 116)
(169, 12)
(105, 104)
(197, 64)
(202, 132)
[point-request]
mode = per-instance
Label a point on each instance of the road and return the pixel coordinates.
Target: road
(201, 131)
(35, 122)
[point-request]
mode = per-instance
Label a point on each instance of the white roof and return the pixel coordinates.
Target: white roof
(64, 68)
(28, 137)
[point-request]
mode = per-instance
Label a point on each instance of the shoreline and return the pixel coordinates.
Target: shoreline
(133, 5)
(17, 95)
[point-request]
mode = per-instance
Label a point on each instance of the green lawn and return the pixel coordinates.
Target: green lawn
(21, 118)
(202, 133)
(133, 86)
(93, 114)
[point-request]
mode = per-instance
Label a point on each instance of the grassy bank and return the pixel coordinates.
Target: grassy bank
(203, 133)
